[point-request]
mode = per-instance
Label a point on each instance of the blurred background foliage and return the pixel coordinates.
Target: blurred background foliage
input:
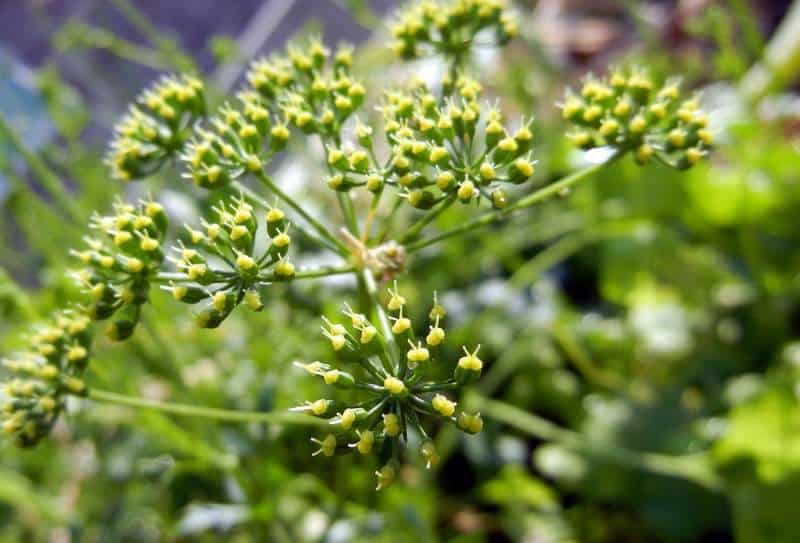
(651, 320)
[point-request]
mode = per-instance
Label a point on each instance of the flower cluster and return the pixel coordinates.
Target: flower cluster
(452, 148)
(239, 141)
(398, 391)
(219, 264)
(155, 127)
(310, 87)
(450, 27)
(627, 112)
(121, 263)
(44, 375)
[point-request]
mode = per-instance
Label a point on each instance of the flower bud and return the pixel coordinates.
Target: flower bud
(391, 424)
(487, 172)
(386, 475)
(499, 198)
(366, 440)
(421, 199)
(253, 300)
(210, 318)
(374, 183)
(443, 406)
(327, 446)
(339, 379)
(276, 221)
(469, 423)
(466, 191)
(395, 387)
(469, 367)
(435, 336)
(417, 354)
(368, 333)
(284, 270)
(349, 417)
(430, 454)
(445, 180)
(120, 330)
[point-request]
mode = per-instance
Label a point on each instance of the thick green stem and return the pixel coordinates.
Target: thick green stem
(540, 195)
(43, 173)
(694, 468)
(350, 220)
(331, 241)
(224, 415)
(367, 282)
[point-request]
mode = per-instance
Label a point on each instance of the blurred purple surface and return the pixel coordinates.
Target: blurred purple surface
(27, 28)
(27, 25)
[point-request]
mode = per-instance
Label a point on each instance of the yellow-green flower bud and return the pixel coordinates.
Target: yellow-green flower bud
(391, 424)
(430, 454)
(442, 405)
(466, 191)
(469, 367)
(417, 354)
(368, 333)
(386, 476)
(365, 442)
(470, 423)
(395, 386)
(284, 270)
(435, 336)
(327, 446)
(253, 300)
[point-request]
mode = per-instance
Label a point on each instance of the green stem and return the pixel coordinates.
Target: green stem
(540, 195)
(91, 37)
(433, 387)
(389, 220)
(44, 174)
(426, 219)
(164, 277)
(545, 259)
(225, 415)
(694, 468)
(371, 290)
(346, 204)
(333, 243)
(324, 272)
(172, 53)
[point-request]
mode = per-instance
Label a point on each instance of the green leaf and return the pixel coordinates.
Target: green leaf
(760, 455)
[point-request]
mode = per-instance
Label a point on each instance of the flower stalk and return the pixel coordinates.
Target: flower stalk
(213, 413)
